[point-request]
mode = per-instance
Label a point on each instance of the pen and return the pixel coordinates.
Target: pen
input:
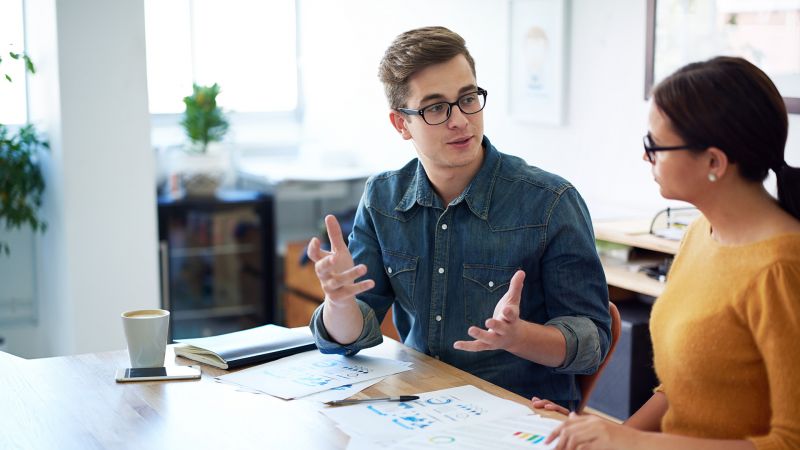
(402, 398)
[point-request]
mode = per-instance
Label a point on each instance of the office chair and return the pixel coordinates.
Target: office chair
(586, 382)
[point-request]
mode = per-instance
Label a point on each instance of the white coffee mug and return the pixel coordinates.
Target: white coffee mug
(146, 333)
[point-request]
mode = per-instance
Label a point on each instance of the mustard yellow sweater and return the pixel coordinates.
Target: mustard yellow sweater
(726, 340)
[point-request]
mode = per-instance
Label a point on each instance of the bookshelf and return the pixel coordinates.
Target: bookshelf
(622, 274)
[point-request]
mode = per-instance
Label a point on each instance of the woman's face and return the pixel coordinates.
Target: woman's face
(681, 174)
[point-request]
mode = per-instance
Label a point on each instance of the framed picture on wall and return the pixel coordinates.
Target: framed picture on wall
(537, 58)
(765, 32)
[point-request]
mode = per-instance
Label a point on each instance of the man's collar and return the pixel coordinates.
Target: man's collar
(419, 191)
(477, 194)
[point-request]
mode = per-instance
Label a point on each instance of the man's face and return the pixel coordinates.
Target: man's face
(455, 145)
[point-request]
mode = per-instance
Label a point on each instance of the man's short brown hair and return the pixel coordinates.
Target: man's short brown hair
(413, 51)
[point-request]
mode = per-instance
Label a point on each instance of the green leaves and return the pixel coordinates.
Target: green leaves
(21, 180)
(28, 64)
(203, 121)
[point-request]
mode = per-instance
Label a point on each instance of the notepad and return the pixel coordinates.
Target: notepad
(256, 345)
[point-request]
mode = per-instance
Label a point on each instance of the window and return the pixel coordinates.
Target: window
(13, 107)
(247, 47)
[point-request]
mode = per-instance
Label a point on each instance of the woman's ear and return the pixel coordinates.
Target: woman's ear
(718, 163)
(400, 123)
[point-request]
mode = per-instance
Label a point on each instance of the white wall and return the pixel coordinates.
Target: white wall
(99, 255)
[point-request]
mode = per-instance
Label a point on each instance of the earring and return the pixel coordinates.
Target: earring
(712, 177)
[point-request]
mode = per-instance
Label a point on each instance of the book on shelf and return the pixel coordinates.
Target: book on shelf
(256, 345)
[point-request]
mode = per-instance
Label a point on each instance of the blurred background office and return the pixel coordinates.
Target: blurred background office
(300, 89)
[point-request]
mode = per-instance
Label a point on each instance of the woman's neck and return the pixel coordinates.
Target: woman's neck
(743, 213)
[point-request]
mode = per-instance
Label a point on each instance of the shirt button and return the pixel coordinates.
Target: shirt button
(438, 318)
(444, 226)
(389, 269)
(441, 269)
(491, 283)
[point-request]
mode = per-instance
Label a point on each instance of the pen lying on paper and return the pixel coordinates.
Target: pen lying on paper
(402, 398)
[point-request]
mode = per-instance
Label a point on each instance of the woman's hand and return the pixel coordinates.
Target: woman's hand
(588, 432)
(539, 403)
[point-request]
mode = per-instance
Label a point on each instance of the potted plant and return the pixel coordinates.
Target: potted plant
(203, 121)
(203, 168)
(21, 180)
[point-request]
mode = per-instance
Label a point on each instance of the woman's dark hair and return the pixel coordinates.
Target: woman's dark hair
(729, 103)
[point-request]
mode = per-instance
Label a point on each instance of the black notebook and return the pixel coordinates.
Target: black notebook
(256, 345)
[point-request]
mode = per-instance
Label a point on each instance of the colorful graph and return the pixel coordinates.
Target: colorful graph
(532, 438)
(441, 440)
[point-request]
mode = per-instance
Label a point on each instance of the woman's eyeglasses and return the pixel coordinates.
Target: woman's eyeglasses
(650, 149)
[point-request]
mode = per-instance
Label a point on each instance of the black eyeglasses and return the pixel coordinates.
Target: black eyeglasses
(650, 149)
(438, 113)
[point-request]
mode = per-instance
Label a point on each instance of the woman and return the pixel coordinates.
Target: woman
(726, 330)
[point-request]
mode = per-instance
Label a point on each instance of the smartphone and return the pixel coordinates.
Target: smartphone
(158, 373)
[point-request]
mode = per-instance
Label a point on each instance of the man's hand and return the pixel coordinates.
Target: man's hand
(335, 268)
(504, 329)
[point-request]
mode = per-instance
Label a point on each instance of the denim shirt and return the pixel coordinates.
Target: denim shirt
(443, 268)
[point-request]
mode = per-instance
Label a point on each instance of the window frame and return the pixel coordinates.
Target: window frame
(255, 122)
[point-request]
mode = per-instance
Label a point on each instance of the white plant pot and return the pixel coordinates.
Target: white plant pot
(201, 174)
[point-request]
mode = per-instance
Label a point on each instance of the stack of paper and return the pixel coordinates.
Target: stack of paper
(466, 417)
(312, 372)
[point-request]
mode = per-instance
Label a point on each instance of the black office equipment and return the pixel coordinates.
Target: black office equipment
(628, 380)
(217, 262)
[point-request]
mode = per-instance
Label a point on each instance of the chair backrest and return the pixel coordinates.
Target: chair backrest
(586, 382)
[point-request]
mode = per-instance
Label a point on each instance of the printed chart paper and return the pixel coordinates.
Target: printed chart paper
(313, 372)
(434, 411)
(528, 431)
(341, 392)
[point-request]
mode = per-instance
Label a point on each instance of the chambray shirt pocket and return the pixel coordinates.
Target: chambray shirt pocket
(484, 286)
(401, 269)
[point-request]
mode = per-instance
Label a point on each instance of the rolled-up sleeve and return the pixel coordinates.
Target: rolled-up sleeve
(583, 344)
(370, 335)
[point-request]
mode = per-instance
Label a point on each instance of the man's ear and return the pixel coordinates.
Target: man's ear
(718, 162)
(400, 123)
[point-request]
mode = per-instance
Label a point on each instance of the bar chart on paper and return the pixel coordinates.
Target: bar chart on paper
(529, 431)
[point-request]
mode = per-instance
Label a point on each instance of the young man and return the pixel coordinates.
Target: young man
(465, 237)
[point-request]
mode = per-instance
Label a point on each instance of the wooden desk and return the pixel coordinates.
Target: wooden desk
(74, 402)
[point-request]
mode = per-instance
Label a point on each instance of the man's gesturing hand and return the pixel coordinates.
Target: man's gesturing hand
(335, 268)
(504, 328)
